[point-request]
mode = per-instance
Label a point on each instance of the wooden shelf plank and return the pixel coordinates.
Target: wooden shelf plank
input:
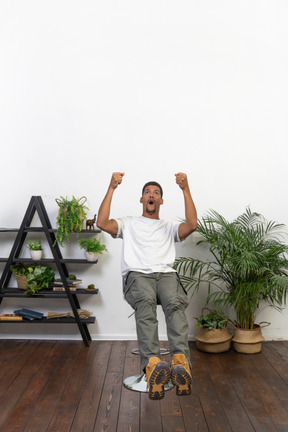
(51, 230)
(51, 260)
(15, 292)
(44, 320)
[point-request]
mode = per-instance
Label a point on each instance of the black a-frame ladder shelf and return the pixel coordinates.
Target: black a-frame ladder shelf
(36, 205)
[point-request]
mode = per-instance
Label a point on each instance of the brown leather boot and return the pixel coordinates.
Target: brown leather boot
(157, 375)
(181, 374)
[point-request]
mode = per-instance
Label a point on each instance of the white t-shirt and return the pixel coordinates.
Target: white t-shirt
(148, 244)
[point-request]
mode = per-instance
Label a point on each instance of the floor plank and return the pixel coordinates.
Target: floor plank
(63, 386)
(49, 400)
(110, 399)
(12, 401)
(234, 411)
(214, 412)
(68, 403)
(235, 365)
(86, 413)
(128, 420)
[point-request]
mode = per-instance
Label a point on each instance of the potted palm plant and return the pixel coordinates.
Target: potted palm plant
(247, 268)
(93, 248)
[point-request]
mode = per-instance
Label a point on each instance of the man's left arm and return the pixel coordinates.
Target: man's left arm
(190, 224)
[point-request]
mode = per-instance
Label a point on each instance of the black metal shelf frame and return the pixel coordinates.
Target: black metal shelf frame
(36, 205)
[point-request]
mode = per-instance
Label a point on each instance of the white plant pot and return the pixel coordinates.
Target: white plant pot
(90, 256)
(36, 255)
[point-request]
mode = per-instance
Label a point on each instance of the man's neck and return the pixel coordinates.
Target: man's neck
(150, 216)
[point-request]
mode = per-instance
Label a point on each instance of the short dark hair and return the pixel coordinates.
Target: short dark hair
(153, 183)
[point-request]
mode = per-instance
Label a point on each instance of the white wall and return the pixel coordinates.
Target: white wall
(150, 88)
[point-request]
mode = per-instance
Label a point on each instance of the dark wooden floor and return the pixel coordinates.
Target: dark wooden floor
(62, 386)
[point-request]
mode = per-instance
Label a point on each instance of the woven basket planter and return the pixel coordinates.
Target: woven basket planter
(213, 341)
(21, 282)
(248, 341)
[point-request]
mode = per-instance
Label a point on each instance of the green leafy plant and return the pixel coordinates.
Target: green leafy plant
(247, 267)
(92, 245)
(91, 287)
(39, 277)
(212, 320)
(72, 277)
(19, 269)
(71, 215)
(35, 245)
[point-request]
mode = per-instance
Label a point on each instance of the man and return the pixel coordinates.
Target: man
(148, 255)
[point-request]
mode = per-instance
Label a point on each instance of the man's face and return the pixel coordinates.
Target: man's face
(151, 200)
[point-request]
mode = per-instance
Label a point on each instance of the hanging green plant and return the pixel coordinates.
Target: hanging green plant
(71, 216)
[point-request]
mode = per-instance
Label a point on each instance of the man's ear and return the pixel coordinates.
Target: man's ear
(141, 200)
(162, 201)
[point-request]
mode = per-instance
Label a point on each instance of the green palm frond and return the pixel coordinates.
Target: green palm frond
(248, 264)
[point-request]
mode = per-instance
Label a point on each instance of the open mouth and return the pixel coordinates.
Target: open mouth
(151, 207)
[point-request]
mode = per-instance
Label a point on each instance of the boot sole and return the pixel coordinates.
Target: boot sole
(182, 380)
(159, 377)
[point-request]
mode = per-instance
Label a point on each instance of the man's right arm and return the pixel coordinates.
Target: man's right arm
(103, 222)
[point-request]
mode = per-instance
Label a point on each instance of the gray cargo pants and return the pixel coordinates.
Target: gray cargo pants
(143, 292)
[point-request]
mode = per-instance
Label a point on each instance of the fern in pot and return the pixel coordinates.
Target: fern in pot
(92, 247)
(70, 219)
(246, 269)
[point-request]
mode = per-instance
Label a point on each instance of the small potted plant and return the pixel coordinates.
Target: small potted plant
(213, 335)
(33, 278)
(71, 216)
(21, 272)
(35, 248)
(93, 248)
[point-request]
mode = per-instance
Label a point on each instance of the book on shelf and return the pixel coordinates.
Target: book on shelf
(29, 314)
(58, 282)
(61, 288)
(10, 317)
